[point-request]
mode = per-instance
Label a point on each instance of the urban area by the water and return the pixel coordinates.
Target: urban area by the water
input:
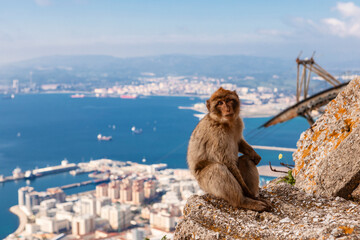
(130, 200)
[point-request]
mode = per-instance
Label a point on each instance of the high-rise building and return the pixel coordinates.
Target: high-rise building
(162, 220)
(138, 192)
(138, 234)
(56, 193)
(102, 190)
(29, 198)
(126, 191)
(83, 225)
(22, 193)
(88, 206)
(120, 217)
(32, 199)
(149, 189)
(15, 86)
(114, 190)
(101, 202)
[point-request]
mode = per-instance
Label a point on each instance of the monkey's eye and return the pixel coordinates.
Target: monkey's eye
(220, 103)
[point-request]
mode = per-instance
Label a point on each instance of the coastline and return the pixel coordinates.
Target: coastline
(22, 219)
(253, 111)
(266, 171)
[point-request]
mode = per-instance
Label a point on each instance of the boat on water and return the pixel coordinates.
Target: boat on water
(136, 130)
(77, 96)
(79, 171)
(128, 96)
(29, 175)
(104, 138)
(12, 96)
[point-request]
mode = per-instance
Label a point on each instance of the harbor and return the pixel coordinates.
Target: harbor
(89, 182)
(39, 172)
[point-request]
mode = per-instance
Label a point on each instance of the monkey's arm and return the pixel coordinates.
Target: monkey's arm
(236, 173)
(246, 149)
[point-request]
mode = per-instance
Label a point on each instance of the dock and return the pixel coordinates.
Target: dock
(274, 148)
(39, 172)
(89, 182)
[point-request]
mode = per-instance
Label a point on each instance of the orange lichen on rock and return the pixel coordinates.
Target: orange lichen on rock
(346, 229)
(340, 113)
(324, 138)
(316, 136)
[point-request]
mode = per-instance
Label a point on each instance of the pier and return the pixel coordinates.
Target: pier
(275, 148)
(39, 172)
(94, 182)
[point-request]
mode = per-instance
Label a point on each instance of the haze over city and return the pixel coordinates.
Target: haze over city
(37, 28)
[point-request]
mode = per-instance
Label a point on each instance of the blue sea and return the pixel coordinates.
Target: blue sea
(41, 130)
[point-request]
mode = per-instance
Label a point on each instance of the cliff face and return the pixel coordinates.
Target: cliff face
(327, 161)
(327, 170)
(295, 215)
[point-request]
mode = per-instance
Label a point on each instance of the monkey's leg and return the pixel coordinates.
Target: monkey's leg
(217, 180)
(250, 173)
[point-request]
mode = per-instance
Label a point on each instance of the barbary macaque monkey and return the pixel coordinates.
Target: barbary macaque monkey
(213, 154)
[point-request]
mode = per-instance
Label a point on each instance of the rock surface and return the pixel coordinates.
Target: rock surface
(295, 215)
(327, 161)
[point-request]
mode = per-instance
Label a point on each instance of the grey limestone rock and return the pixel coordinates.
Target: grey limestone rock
(327, 161)
(295, 215)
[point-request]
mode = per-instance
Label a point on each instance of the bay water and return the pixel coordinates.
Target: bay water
(42, 129)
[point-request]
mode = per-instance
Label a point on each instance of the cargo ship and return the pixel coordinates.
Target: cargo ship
(136, 130)
(104, 138)
(77, 96)
(132, 96)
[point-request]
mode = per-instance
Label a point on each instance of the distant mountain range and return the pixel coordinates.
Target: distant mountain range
(102, 70)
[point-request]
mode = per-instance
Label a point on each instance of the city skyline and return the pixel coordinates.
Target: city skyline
(38, 28)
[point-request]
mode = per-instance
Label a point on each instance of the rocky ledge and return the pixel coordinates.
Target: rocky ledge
(327, 160)
(295, 215)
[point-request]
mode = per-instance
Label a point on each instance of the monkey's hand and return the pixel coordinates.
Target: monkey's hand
(246, 149)
(255, 157)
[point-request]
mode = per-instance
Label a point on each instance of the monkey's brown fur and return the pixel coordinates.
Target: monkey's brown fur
(213, 154)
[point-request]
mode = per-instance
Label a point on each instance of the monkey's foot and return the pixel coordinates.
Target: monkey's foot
(256, 205)
(266, 202)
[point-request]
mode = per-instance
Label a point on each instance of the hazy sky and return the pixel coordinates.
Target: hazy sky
(125, 28)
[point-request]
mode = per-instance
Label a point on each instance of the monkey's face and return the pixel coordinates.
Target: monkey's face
(224, 105)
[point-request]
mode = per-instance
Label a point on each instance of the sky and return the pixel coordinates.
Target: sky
(129, 28)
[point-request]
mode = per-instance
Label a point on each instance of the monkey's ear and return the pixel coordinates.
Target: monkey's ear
(208, 104)
(235, 93)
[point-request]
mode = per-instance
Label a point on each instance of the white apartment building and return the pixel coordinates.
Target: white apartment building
(102, 190)
(162, 220)
(88, 206)
(83, 225)
(119, 216)
(100, 203)
(52, 225)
